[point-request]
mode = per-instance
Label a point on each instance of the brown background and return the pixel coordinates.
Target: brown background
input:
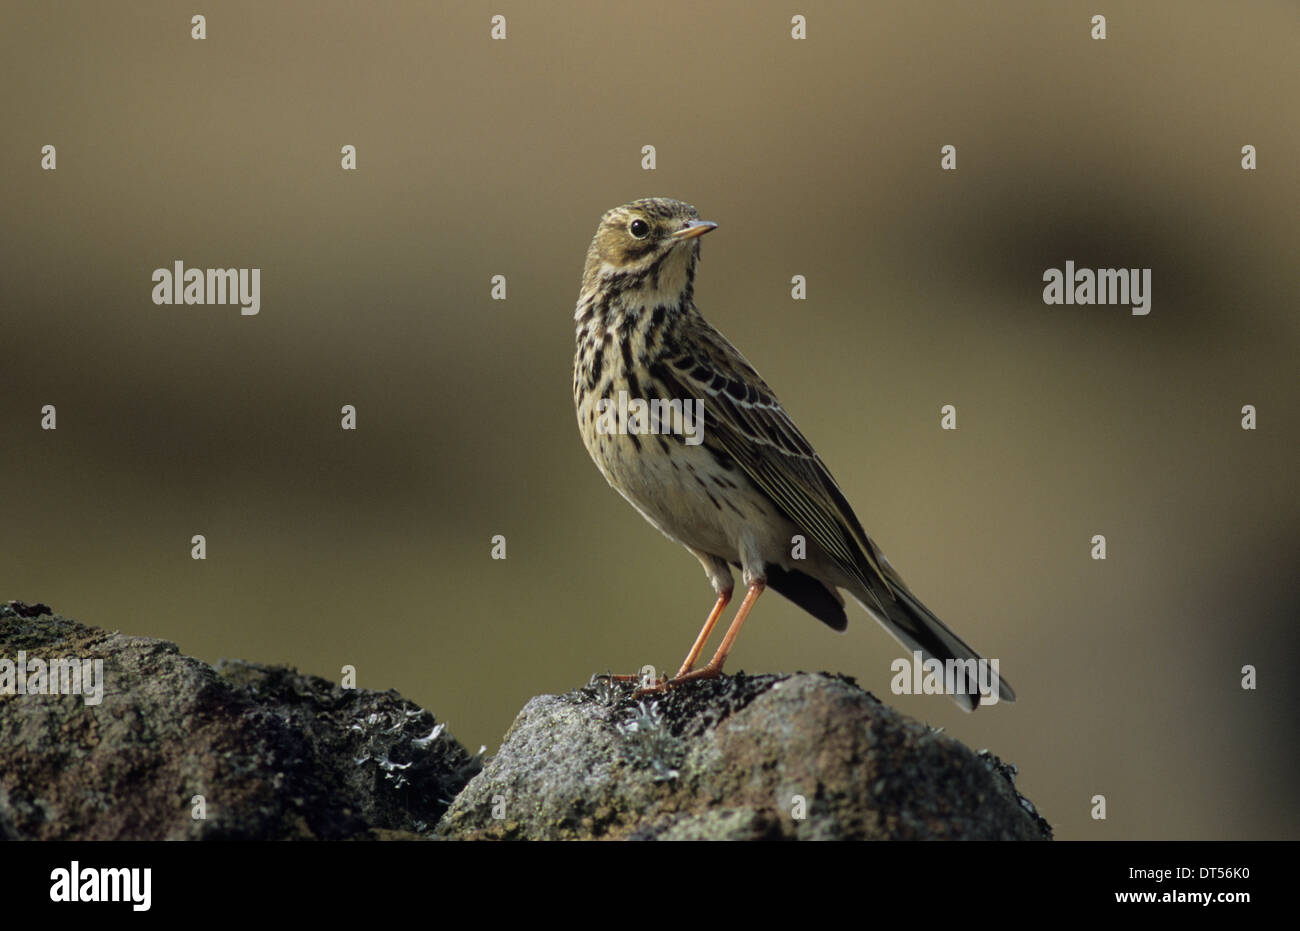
(817, 158)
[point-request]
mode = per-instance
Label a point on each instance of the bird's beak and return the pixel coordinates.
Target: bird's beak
(694, 228)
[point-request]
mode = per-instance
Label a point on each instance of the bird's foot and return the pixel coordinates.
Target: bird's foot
(663, 685)
(659, 686)
(647, 684)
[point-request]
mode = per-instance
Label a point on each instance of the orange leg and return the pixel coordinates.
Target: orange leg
(714, 668)
(724, 598)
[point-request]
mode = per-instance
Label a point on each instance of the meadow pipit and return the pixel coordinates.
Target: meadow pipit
(745, 483)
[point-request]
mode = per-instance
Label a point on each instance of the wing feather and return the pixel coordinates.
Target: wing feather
(745, 422)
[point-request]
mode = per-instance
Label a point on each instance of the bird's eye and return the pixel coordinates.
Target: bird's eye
(639, 228)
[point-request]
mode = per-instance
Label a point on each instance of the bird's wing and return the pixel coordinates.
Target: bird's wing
(744, 422)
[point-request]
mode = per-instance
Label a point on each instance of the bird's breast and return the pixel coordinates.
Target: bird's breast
(650, 447)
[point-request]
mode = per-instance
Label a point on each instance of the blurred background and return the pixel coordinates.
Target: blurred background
(817, 158)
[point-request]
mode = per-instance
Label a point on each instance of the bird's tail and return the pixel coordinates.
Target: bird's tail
(915, 626)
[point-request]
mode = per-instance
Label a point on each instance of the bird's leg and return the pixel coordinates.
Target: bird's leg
(724, 598)
(719, 573)
(714, 668)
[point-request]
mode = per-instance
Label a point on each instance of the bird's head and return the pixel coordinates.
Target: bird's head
(650, 247)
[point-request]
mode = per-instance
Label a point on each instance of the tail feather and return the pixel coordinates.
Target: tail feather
(916, 627)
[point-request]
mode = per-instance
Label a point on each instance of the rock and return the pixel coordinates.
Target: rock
(274, 753)
(726, 758)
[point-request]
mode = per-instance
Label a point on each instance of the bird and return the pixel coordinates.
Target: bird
(741, 483)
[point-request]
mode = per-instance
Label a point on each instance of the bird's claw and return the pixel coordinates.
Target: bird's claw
(658, 687)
